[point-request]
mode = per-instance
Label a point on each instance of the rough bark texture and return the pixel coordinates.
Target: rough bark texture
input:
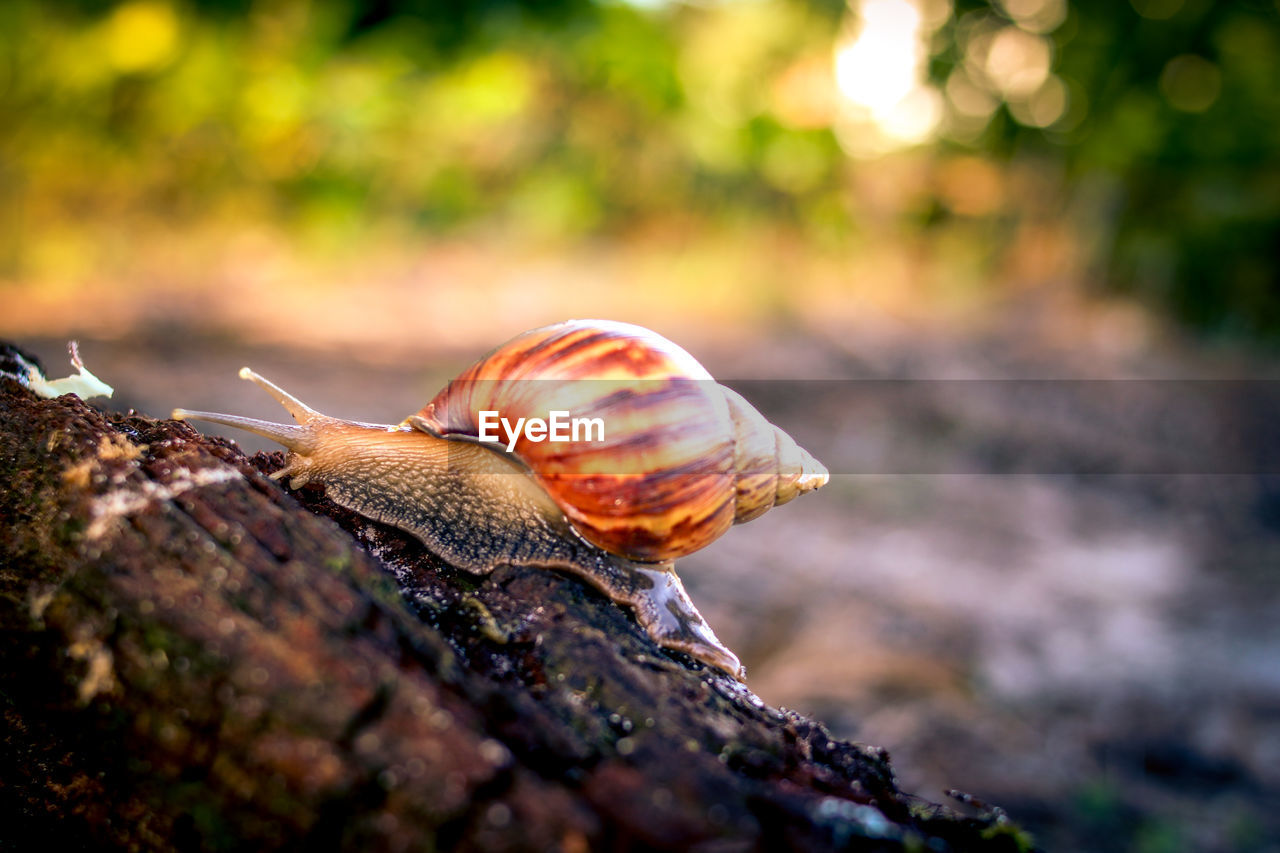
(196, 659)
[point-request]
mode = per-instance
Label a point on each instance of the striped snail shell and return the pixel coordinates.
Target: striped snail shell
(682, 459)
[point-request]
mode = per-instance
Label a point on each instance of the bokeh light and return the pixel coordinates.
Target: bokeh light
(141, 36)
(1016, 62)
(1036, 16)
(1190, 83)
(1157, 10)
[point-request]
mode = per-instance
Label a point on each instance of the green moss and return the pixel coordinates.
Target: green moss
(487, 624)
(339, 564)
(1002, 827)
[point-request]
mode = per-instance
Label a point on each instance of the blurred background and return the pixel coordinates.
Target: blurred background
(1010, 268)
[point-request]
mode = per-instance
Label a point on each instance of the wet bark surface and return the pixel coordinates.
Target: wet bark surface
(196, 658)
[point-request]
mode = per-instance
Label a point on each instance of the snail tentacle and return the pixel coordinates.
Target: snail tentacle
(296, 438)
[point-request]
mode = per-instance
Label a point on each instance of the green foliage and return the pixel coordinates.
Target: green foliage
(564, 119)
(303, 113)
(1188, 118)
(1171, 150)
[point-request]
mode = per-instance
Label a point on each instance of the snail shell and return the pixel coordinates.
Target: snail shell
(681, 460)
(683, 457)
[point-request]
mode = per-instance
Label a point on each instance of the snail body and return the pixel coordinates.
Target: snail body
(679, 461)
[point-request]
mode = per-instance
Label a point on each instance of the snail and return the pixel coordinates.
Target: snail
(483, 477)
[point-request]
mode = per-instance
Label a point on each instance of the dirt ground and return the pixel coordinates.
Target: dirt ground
(1061, 597)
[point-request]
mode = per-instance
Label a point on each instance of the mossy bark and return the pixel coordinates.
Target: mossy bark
(195, 658)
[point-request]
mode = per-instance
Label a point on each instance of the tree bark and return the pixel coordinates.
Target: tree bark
(195, 658)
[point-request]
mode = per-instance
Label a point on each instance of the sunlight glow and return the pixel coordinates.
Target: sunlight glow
(878, 69)
(880, 73)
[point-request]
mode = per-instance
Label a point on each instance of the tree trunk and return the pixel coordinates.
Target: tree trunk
(197, 659)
